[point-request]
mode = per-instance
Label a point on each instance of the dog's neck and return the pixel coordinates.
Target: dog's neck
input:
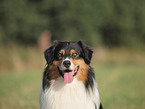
(70, 96)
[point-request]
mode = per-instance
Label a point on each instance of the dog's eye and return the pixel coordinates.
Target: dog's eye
(60, 55)
(75, 55)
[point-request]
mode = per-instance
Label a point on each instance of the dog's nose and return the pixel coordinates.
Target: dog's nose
(67, 63)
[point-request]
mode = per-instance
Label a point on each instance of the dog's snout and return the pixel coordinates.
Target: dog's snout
(67, 63)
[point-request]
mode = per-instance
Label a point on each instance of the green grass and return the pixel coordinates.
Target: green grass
(120, 87)
(20, 91)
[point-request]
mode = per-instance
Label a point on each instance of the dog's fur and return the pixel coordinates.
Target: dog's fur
(68, 79)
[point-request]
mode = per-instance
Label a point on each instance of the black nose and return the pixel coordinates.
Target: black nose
(67, 63)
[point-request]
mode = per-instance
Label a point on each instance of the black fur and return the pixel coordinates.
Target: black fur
(49, 55)
(101, 107)
(46, 78)
(87, 52)
(89, 82)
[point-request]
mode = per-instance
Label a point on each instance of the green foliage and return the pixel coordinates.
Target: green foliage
(111, 22)
(20, 22)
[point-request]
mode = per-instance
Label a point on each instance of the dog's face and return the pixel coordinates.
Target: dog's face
(69, 60)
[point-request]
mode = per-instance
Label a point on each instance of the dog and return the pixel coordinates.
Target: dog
(68, 80)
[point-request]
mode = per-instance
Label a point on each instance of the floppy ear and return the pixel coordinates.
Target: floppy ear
(49, 53)
(87, 52)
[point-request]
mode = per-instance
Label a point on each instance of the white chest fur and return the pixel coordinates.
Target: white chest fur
(68, 96)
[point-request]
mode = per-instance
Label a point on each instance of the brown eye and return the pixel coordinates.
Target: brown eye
(75, 55)
(60, 55)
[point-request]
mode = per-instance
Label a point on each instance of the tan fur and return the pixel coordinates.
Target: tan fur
(62, 51)
(53, 71)
(83, 69)
(72, 51)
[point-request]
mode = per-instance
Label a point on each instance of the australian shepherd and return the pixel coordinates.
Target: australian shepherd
(68, 80)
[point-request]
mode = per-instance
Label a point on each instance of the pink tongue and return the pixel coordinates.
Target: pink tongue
(68, 77)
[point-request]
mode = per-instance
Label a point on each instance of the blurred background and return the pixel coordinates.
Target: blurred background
(114, 29)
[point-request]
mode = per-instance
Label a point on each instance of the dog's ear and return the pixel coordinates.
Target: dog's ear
(49, 53)
(87, 52)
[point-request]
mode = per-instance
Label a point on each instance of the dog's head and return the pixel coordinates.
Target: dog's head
(69, 59)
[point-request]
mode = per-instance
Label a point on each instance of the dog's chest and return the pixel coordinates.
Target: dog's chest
(67, 96)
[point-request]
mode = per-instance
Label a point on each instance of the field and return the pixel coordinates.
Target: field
(120, 83)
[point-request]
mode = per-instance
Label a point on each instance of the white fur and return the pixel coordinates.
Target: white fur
(69, 96)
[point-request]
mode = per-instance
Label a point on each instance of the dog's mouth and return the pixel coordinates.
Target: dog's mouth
(68, 75)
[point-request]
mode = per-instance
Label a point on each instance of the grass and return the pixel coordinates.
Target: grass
(20, 90)
(121, 87)
(120, 75)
